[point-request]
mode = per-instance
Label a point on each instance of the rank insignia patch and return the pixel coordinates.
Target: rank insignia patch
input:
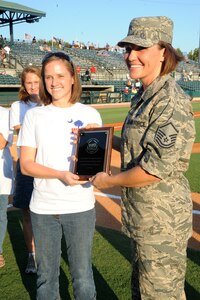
(166, 135)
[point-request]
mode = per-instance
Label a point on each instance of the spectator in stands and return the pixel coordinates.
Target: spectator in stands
(1, 39)
(60, 44)
(28, 95)
(126, 90)
(93, 71)
(78, 69)
(156, 145)
(87, 74)
(2, 56)
(6, 175)
(107, 47)
(133, 90)
(129, 83)
(184, 76)
(60, 203)
(128, 86)
(7, 51)
(190, 75)
(45, 46)
(34, 40)
(137, 84)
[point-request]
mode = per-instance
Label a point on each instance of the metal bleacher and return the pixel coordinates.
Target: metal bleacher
(9, 86)
(6, 79)
(27, 53)
(192, 88)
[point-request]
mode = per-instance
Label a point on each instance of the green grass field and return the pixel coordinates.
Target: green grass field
(193, 173)
(113, 115)
(111, 266)
(196, 106)
(116, 114)
(197, 126)
(111, 253)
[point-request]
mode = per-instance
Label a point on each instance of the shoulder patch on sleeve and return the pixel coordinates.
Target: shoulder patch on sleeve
(165, 135)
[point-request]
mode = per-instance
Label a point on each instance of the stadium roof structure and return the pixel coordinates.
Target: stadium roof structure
(13, 13)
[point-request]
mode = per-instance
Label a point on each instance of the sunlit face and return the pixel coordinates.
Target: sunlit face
(31, 83)
(58, 81)
(144, 63)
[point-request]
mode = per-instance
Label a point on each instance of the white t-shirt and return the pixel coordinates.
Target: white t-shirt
(17, 113)
(6, 166)
(48, 129)
(7, 49)
(18, 110)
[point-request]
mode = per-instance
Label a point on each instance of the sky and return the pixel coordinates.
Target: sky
(107, 21)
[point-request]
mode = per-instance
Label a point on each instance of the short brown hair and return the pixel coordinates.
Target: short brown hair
(172, 58)
(45, 97)
(23, 95)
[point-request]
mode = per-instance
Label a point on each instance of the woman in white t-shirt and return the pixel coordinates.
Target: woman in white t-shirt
(6, 175)
(60, 203)
(28, 95)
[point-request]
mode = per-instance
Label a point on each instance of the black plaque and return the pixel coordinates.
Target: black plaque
(93, 152)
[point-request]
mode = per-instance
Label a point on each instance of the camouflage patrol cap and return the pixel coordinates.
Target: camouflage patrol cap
(148, 31)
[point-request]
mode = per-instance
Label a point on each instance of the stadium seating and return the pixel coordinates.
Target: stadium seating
(111, 70)
(190, 85)
(6, 79)
(27, 53)
(192, 88)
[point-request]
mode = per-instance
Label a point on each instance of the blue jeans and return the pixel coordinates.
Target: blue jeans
(3, 219)
(78, 229)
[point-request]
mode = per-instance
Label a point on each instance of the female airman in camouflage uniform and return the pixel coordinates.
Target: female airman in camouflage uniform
(156, 145)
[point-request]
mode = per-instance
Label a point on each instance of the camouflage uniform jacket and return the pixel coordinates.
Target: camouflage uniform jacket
(158, 135)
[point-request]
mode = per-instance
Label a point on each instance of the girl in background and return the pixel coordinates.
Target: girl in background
(29, 98)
